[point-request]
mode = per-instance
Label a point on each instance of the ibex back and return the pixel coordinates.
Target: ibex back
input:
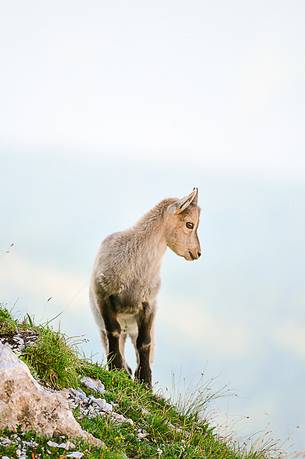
(126, 278)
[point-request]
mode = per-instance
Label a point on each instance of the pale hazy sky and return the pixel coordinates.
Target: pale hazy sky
(221, 83)
(106, 108)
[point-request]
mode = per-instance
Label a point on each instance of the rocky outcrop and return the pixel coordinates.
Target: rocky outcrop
(25, 403)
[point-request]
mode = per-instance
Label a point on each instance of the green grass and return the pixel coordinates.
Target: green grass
(52, 359)
(8, 325)
(171, 433)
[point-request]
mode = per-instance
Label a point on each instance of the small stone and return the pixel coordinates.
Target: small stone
(18, 339)
(78, 393)
(75, 454)
(81, 394)
(67, 445)
(103, 405)
(94, 384)
(6, 441)
(53, 444)
(118, 417)
(5, 457)
(31, 443)
(142, 434)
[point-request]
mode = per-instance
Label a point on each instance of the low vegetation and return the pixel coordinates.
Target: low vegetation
(52, 359)
(8, 325)
(168, 433)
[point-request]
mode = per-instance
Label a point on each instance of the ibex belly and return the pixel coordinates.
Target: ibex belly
(128, 323)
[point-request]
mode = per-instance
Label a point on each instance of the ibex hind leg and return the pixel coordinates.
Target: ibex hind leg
(96, 307)
(99, 306)
(110, 330)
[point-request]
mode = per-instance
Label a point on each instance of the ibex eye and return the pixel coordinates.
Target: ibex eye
(189, 225)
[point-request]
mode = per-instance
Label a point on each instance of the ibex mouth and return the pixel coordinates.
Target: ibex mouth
(191, 255)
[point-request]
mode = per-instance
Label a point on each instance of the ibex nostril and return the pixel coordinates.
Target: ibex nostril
(191, 255)
(199, 254)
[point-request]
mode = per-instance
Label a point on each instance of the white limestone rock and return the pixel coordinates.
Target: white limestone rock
(24, 402)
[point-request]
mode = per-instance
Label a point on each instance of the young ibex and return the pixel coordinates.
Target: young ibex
(125, 279)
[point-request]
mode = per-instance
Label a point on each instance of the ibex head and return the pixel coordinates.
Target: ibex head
(181, 225)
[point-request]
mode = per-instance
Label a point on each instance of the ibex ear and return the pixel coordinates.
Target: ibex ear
(181, 204)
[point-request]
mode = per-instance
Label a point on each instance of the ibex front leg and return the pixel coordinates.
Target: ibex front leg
(144, 344)
(113, 330)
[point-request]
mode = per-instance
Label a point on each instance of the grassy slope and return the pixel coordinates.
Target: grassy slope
(171, 434)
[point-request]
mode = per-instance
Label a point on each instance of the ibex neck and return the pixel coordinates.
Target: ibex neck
(150, 234)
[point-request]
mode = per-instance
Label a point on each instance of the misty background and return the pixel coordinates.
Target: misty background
(106, 110)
